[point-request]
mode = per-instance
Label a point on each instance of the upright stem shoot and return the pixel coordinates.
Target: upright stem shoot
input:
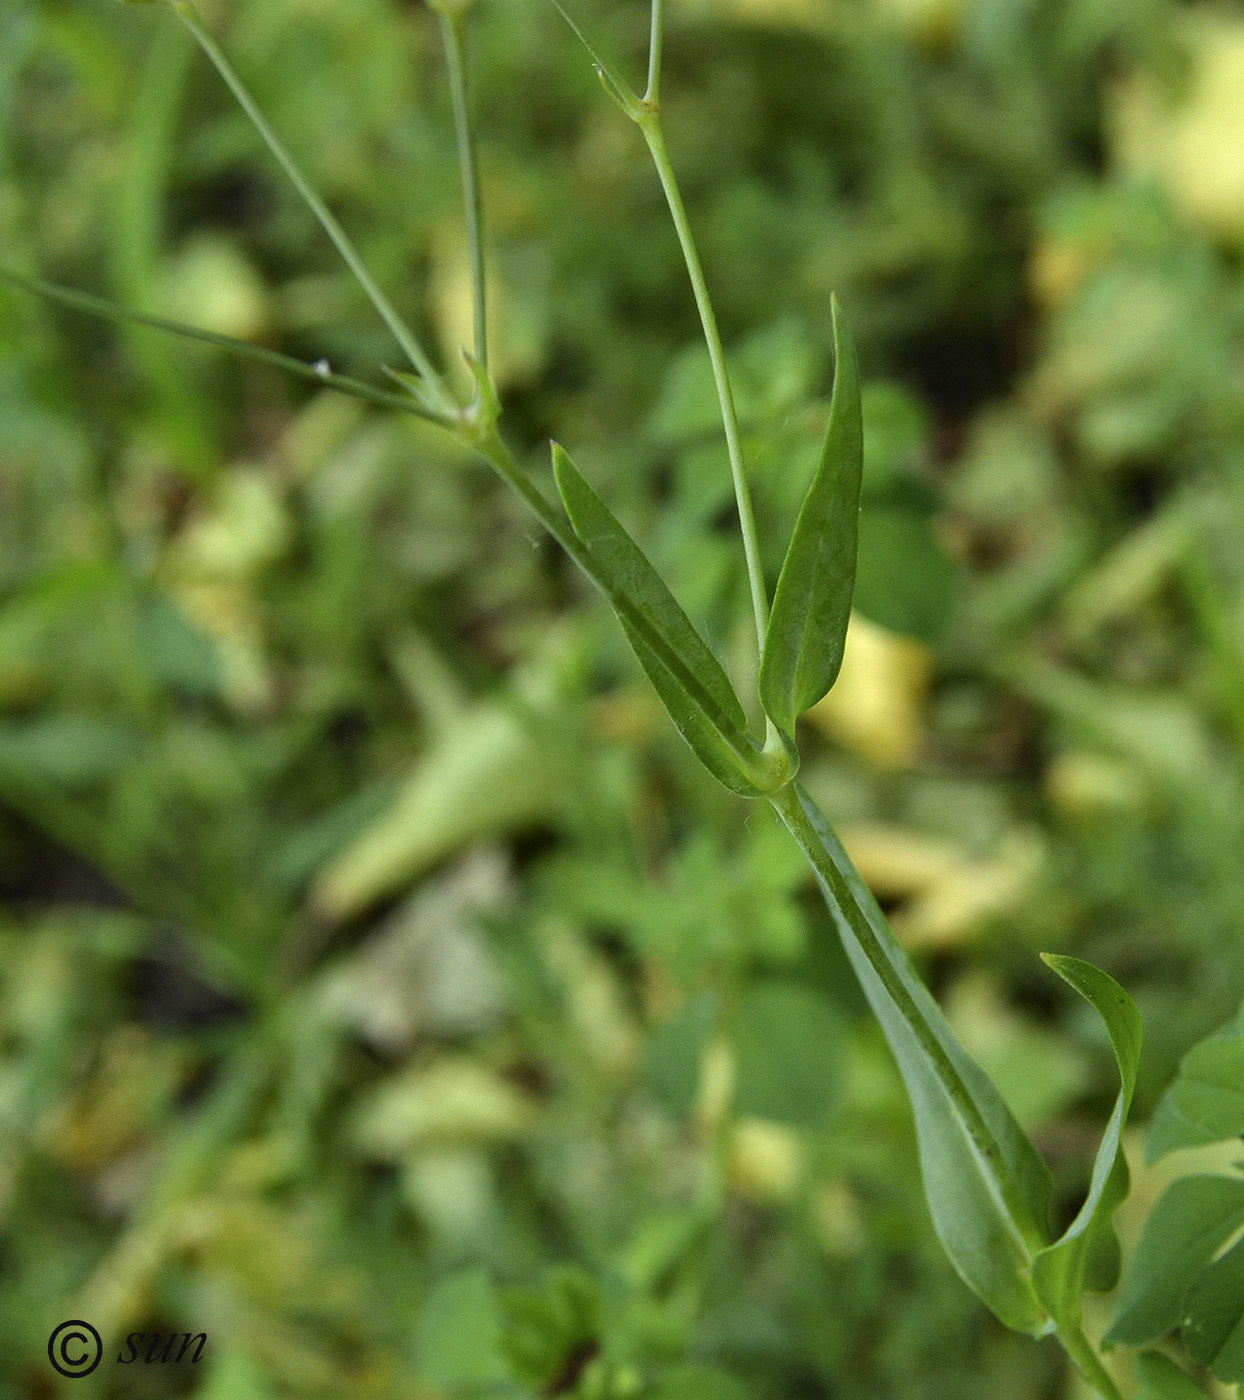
(648, 118)
(893, 988)
(453, 27)
(652, 95)
(405, 337)
(1089, 1364)
(649, 124)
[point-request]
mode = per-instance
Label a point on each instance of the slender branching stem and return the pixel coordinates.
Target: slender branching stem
(646, 113)
(649, 124)
(402, 333)
(320, 374)
(453, 28)
(652, 94)
(476, 430)
(494, 449)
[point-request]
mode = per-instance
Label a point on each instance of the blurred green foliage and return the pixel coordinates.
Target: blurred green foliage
(386, 991)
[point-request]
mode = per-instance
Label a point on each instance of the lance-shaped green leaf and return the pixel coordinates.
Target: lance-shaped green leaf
(1190, 1223)
(1058, 1271)
(988, 1189)
(1161, 1379)
(685, 673)
(1213, 1329)
(1206, 1102)
(808, 625)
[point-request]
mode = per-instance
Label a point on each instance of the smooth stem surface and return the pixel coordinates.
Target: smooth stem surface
(343, 383)
(453, 26)
(653, 93)
(402, 333)
(788, 803)
(1089, 1364)
(492, 447)
(650, 126)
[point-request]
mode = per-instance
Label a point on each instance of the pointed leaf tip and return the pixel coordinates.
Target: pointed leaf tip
(807, 629)
(1058, 1272)
(1113, 1005)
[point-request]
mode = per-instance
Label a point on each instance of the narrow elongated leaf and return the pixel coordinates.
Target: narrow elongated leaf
(989, 1198)
(629, 571)
(1058, 1271)
(1161, 1379)
(1214, 1325)
(684, 672)
(715, 752)
(1206, 1102)
(812, 605)
(1184, 1231)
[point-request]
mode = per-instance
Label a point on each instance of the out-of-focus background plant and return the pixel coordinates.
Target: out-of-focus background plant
(386, 990)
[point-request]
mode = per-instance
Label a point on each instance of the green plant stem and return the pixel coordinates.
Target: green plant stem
(402, 333)
(453, 27)
(764, 769)
(885, 955)
(97, 306)
(650, 125)
(1089, 1364)
(652, 94)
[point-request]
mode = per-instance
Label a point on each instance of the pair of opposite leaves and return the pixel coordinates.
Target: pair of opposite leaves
(807, 628)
